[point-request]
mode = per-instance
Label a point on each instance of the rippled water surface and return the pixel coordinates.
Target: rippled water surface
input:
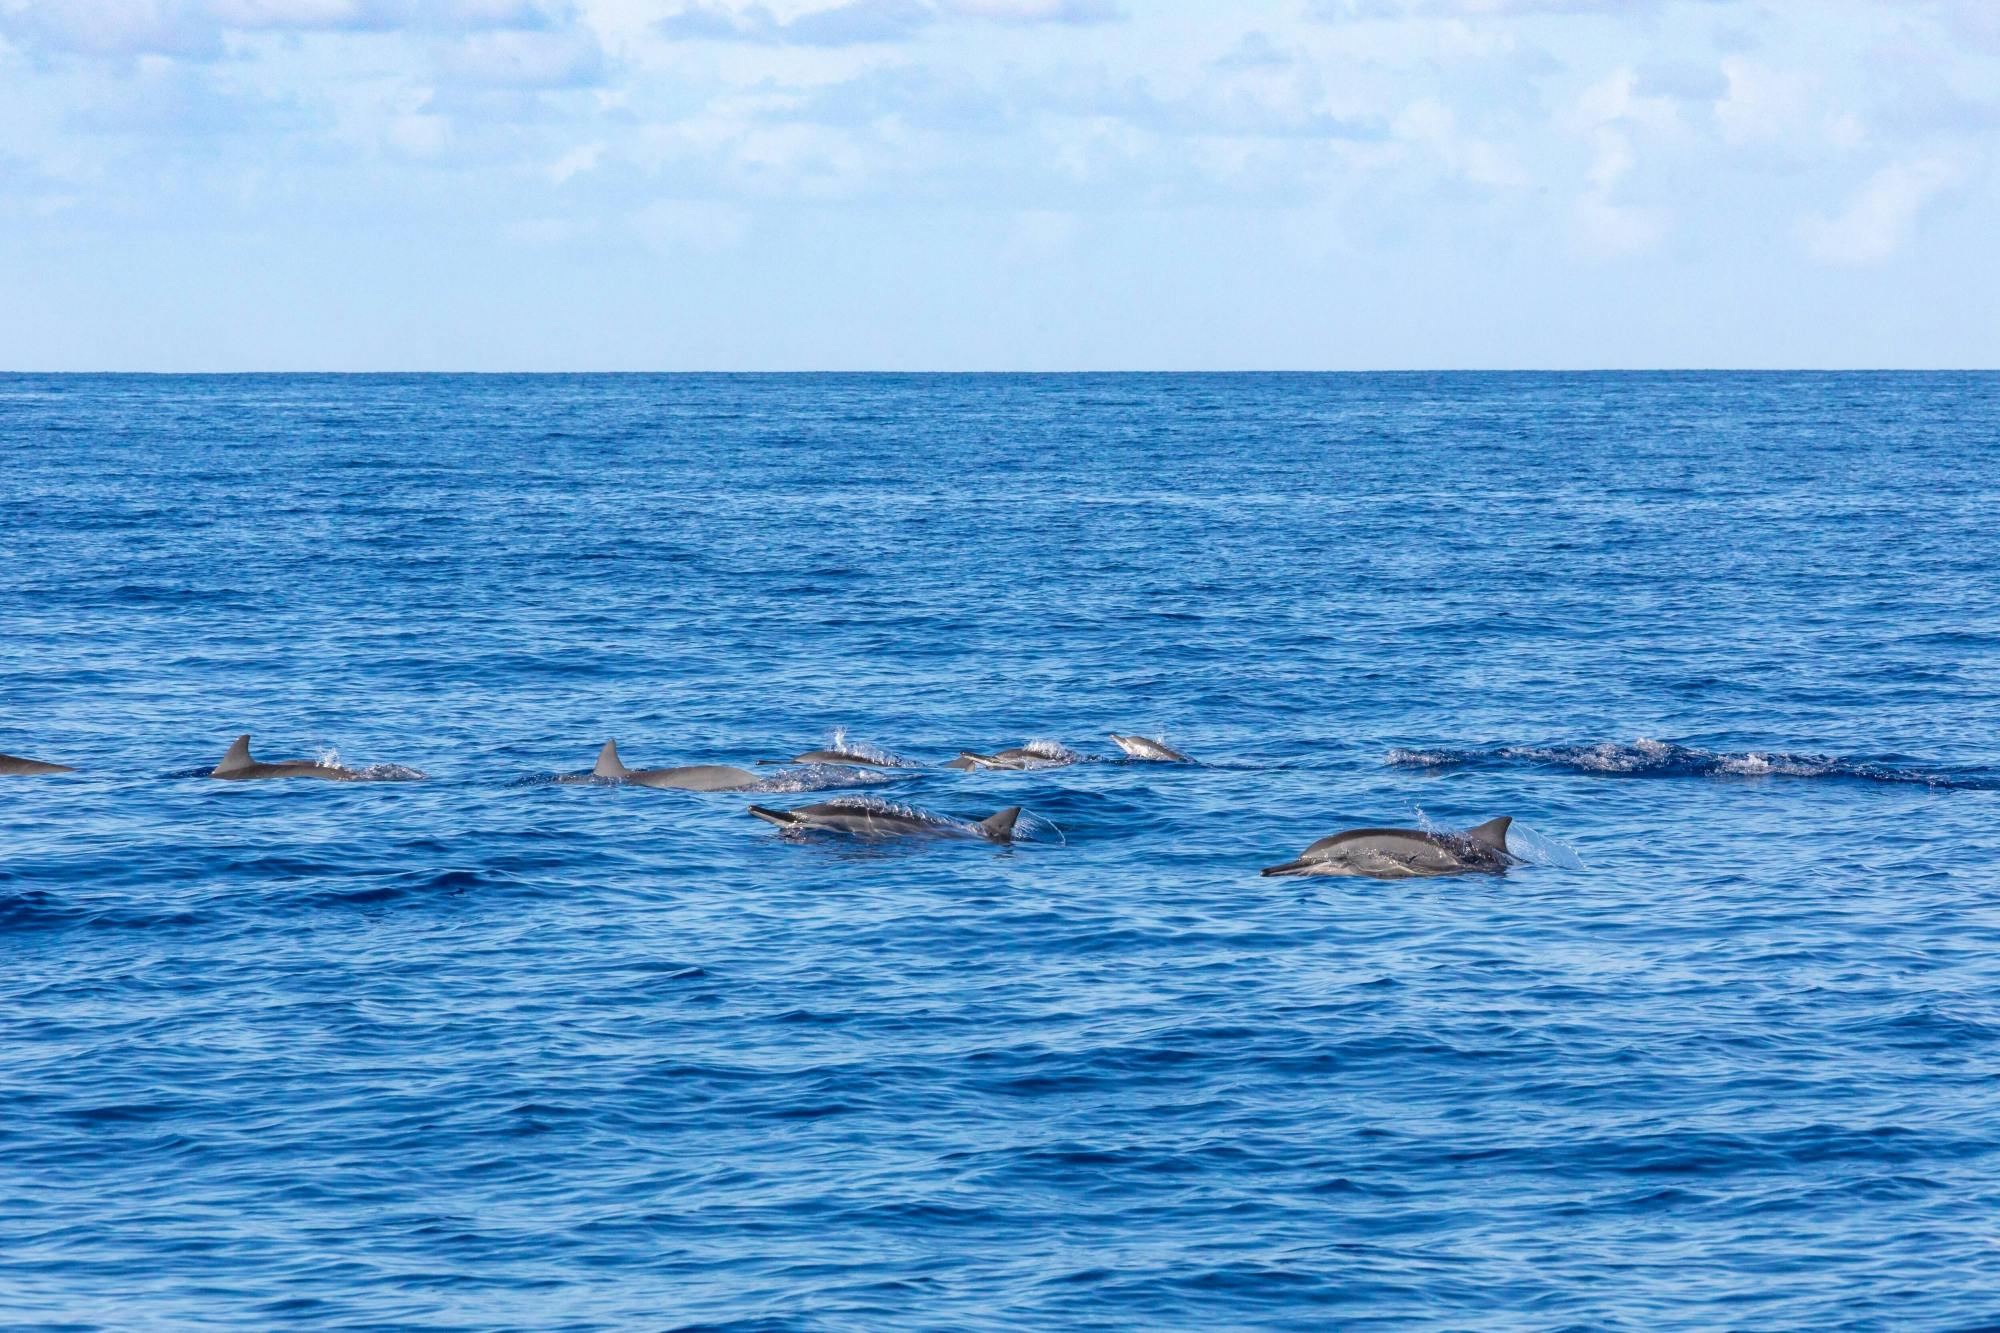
(489, 1049)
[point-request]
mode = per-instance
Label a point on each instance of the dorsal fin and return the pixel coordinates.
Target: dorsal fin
(238, 756)
(608, 764)
(1493, 833)
(1000, 827)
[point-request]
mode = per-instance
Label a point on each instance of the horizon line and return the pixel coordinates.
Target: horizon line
(1024, 374)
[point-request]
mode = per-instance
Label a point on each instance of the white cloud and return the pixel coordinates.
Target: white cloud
(1881, 214)
(195, 29)
(523, 59)
(1433, 125)
(578, 161)
(861, 22)
(1608, 115)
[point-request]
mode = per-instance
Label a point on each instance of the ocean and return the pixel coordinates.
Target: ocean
(467, 1046)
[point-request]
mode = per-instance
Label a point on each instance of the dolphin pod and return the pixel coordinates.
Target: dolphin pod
(1376, 853)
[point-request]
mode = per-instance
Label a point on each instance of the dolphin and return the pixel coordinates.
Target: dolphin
(834, 756)
(695, 777)
(1144, 747)
(1016, 759)
(876, 819)
(1405, 853)
(238, 764)
(11, 766)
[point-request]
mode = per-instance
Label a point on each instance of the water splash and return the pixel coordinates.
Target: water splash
(389, 773)
(819, 777)
(841, 742)
(1648, 758)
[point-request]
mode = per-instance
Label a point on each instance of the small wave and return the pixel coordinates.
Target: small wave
(1652, 759)
(389, 773)
(330, 758)
(874, 754)
(818, 777)
(1535, 848)
(881, 805)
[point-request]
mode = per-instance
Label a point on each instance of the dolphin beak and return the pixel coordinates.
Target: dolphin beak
(1288, 868)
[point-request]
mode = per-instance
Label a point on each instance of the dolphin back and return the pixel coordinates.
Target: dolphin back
(1492, 834)
(15, 766)
(1000, 827)
(236, 760)
(608, 763)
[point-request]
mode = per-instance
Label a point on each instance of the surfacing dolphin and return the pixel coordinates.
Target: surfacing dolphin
(878, 819)
(1406, 853)
(847, 757)
(1035, 754)
(15, 767)
(1145, 747)
(238, 764)
(694, 777)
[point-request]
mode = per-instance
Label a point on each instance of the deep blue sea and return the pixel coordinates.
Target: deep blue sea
(469, 1047)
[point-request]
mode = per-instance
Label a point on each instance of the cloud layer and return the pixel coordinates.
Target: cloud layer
(1009, 181)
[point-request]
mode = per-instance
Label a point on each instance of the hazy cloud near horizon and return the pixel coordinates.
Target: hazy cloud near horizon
(495, 184)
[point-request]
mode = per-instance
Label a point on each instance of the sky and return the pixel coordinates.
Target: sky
(998, 184)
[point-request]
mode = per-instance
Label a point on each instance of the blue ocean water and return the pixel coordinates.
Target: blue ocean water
(490, 1050)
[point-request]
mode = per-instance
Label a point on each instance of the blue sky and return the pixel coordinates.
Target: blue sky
(997, 184)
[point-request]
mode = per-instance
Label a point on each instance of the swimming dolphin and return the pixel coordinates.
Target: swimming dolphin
(695, 777)
(11, 766)
(238, 764)
(1016, 759)
(1144, 747)
(874, 819)
(1405, 853)
(835, 756)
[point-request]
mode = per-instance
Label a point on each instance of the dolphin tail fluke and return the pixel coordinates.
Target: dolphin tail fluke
(1493, 833)
(1000, 827)
(238, 756)
(608, 764)
(782, 818)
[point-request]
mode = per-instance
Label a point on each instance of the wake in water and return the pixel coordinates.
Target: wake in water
(843, 744)
(1645, 758)
(819, 777)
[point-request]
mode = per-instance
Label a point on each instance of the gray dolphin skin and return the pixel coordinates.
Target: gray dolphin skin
(1144, 747)
(1016, 759)
(238, 765)
(862, 819)
(1405, 853)
(847, 757)
(13, 766)
(693, 777)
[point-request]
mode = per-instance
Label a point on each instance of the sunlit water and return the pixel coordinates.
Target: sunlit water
(489, 1049)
